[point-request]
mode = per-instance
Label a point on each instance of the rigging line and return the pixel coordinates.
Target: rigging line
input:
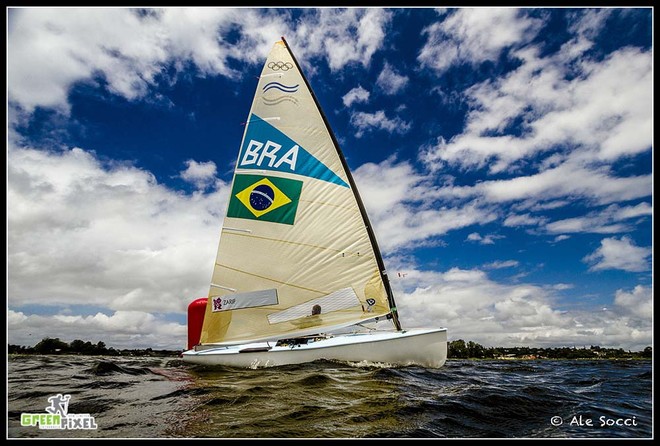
(322, 293)
(364, 326)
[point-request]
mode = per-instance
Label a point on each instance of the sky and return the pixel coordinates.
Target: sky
(503, 155)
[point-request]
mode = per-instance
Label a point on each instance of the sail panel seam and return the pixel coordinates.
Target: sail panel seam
(306, 245)
(272, 280)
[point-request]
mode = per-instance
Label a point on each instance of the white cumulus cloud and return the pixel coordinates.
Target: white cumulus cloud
(619, 253)
(200, 174)
(356, 95)
(81, 232)
(390, 81)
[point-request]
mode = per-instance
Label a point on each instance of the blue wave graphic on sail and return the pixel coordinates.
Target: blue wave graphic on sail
(282, 87)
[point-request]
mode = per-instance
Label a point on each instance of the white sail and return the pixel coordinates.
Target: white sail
(296, 253)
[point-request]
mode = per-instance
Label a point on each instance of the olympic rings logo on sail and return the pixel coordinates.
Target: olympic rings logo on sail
(280, 66)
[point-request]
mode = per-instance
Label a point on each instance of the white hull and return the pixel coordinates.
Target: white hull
(423, 347)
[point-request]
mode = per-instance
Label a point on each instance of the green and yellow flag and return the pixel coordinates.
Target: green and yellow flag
(265, 198)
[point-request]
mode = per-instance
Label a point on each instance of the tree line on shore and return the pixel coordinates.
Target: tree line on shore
(55, 346)
(458, 349)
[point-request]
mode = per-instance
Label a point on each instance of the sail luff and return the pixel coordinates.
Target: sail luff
(358, 198)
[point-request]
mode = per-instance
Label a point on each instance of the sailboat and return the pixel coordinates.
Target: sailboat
(298, 276)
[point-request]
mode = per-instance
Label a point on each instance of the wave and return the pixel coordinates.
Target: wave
(152, 398)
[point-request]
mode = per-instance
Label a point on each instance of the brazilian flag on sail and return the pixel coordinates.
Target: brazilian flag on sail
(264, 198)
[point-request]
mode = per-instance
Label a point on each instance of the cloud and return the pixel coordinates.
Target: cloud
(638, 303)
(129, 50)
(365, 122)
(474, 35)
(565, 115)
(106, 235)
(402, 207)
(619, 253)
(483, 240)
(398, 196)
(523, 220)
(502, 264)
(356, 95)
(596, 111)
(60, 46)
(390, 81)
(608, 220)
(122, 329)
(567, 180)
(342, 35)
(473, 307)
(200, 174)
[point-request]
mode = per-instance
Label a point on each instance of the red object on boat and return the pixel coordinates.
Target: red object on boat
(196, 311)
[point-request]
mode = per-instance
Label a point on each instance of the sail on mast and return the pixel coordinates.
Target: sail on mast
(297, 254)
(372, 236)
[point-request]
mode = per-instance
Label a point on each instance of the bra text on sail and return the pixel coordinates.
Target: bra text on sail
(257, 152)
(265, 147)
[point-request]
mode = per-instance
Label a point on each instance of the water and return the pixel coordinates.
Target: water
(146, 397)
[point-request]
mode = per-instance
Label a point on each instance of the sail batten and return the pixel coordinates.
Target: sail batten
(296, 245)
(222, 287)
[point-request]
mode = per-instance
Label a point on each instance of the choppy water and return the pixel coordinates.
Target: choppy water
(143, 397)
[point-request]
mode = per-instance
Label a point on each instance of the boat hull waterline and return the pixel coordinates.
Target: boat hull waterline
(421, 347)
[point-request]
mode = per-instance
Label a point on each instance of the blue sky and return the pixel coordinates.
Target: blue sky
(504, 157)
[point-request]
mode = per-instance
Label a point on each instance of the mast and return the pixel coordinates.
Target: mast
(363, 212)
